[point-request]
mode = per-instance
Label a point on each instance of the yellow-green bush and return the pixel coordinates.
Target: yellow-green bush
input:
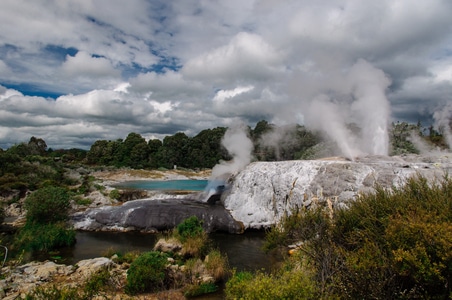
(193, 237)
(146, 273)
(393, 244)
(397, 243)
(287, 283)
(216, 264)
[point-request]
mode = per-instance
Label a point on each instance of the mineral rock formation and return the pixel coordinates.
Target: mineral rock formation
(264, 191)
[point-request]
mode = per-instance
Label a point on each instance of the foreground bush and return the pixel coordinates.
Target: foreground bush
(146, 273)
(48, 205)
(45, 228)
(398, 243)
(291, 282)
(394, 244)
(44, 237)
(193, 237)
(190, 228)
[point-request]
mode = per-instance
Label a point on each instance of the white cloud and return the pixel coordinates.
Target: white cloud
(83, 64)
(170, 85)
(157, 67)
(246, 56)
(223, 95)
(162, 107)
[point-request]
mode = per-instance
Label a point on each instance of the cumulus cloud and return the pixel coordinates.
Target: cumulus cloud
(222, 95)
(245, 56)
(83, 64)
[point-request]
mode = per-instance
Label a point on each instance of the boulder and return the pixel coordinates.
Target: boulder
(87, 267)
(168, 245)
(152, 215)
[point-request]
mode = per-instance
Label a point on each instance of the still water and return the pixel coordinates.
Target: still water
(244, 251)
(167, 185)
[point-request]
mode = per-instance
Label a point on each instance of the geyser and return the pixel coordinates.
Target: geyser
(240, 147)
(443, 122)
(354, 97)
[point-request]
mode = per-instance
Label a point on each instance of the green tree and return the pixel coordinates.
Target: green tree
(139, 156)
(204, 149)
(174, 150)
(97, 154)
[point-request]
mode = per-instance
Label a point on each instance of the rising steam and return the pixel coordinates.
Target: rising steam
(443, 120)
(355, 97)
(240, 147)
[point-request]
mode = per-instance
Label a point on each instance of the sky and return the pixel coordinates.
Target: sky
(76, 71)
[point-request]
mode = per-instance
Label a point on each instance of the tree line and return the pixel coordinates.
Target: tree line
(201, 151)
(204, 150)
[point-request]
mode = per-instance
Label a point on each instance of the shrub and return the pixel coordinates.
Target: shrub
(398, 242)
(47, 205)
(190, 228)
(121, 257)
(55, 292)
(393, 244)
(193, 237)
(216, 265)
(285, 284)
(94, 285)
(100, 281)
(44, 237)
(196, 246)
(114, 194)
(146, 273)
(82, 201)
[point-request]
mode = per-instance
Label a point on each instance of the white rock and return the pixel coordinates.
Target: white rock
(264, 191)
(87, 267)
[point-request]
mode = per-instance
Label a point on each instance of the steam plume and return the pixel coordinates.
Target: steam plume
(356, 97)
(278, 138)
(443, 119)
(239, 146)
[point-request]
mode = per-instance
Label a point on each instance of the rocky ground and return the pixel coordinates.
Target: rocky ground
(114, 176)
(19, 279)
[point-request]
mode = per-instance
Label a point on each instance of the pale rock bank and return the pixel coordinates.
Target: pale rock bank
(264, 191)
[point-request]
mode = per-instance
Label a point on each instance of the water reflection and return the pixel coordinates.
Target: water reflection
(244, 251)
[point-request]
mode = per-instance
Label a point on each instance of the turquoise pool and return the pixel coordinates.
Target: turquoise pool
(167, 185)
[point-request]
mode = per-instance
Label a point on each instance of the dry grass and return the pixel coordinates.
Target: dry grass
(216, 264)
(194, 246)
(126, 174)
